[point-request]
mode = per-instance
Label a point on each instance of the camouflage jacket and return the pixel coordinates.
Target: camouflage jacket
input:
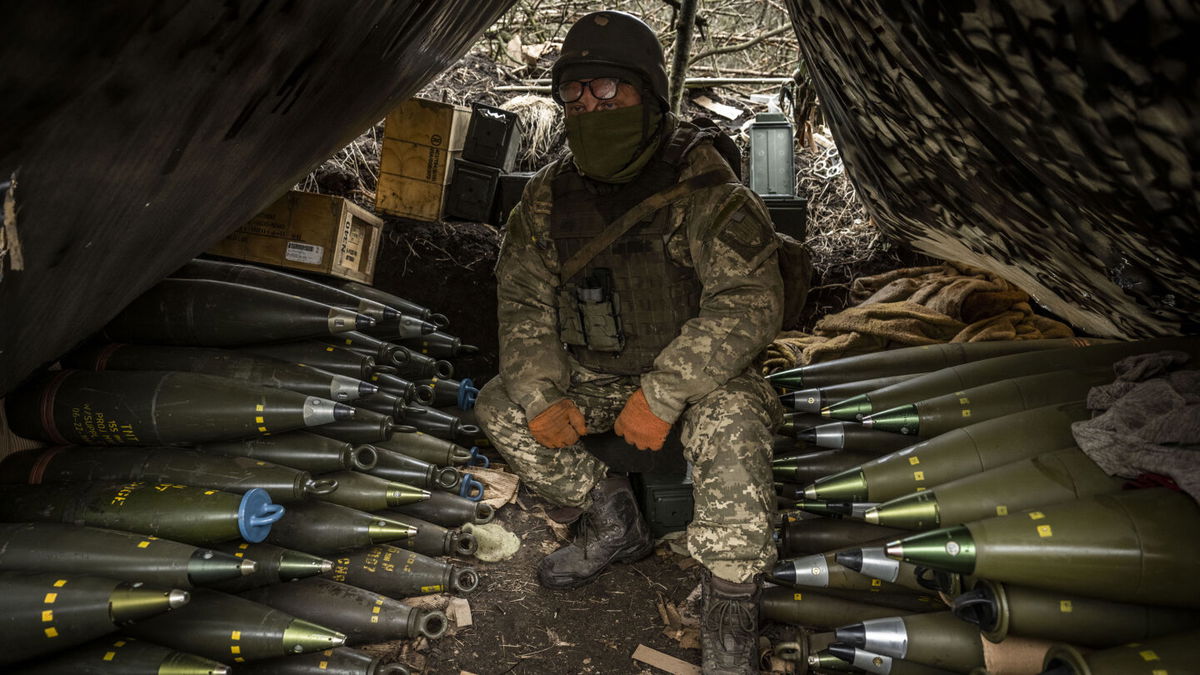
(722, 232)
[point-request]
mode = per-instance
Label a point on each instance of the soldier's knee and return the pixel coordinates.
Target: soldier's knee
(492, 402)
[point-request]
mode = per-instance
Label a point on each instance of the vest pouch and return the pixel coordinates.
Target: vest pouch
(600, 308)
(570, 325)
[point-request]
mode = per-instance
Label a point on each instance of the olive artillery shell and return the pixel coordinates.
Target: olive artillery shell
(835, 509)
(340, 661)
(366, 427)
(818, 610)
(794, 423)
(1131, 546)
(394, 301)
(908, 360)
(955, 454)
(956, 378)
(811, 466)
(399, 573)
(42, 613)
(247, 368)
(321, 528)
(449, 510)
(442, 425)
(158, 408)
(385, 403)
(385, 353)
(364, 616)
(853, 436)
(815, 399)
(299, 450)
(869, 662)
(319, 355)
(204, 313)
(821, 570)
(1001, 610)
(399, 467)
(427, 448)
(282, 282)
(435, 540)
(123, 656)
(935, 416)
(448, 392)
(160, 465)
(400, 387)
(871, 562)
(187, 514)
(371, 493)
(275, 565)
(807, 537)
(234, 630)
(56, 548)
(1175, 654)
(1052, 478)
(439, 345)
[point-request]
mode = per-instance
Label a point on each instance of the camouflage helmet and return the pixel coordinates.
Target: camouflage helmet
(612, 44)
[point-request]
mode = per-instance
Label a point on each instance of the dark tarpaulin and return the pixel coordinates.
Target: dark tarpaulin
(141, 132)
(1053, 143)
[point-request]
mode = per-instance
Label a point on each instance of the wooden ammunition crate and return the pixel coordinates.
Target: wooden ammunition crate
(420, 140)
(310, 232)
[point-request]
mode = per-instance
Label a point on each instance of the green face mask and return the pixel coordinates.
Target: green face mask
(605, 143)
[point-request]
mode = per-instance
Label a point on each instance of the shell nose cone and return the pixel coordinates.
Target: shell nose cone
(808, 435)
(366, 388)
(363, 322)
(390, 314)
(852, 559)
(854, 635)
(178, 598)
(843, 652)
(343, 412)
(303, 637)
(784, 572)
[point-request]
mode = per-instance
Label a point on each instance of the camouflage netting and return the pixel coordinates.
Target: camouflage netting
(1052, 143)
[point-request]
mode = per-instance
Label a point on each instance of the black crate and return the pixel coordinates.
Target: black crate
(472, 191)
(492, 138)
(790, 215)
(509, 193)
(666, 501)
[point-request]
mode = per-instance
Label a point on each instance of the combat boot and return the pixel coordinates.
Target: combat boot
(729, 626)
(611, 530)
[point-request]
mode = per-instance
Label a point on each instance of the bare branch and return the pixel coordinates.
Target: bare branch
(743, 45)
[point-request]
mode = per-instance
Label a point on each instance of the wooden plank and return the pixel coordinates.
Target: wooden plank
(664, 662)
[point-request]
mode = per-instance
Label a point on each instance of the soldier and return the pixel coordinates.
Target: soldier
(637, 281)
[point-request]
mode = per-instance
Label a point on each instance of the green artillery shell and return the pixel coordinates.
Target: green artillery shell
(794, 423)
(188, 514)
(977, 373)
(398, 572)
(955, 454)
(937, 639)
(397, 466)
(435, 540)
(321, 528)
(825, 534)
(427, 448)
(1134, 546)
(384, 403)
(246, 368)
(908, 360)
(438, 344)
(815, 399)
(871, 562)
(385, 353)
(1001, 610)
(855, 510)
(123, 656)
(261, 277)
(448, 392)
(884, 665)
(808, 467)
(853, 436)
(41, 613)
(821, 570)
(1174, 654)
(449, 510)
(157, 408)
(904, 601)
(371, 493)
(340, 661)
(935, 416)
(394, 301)
(442, 425)
(398, 386)
(319, 355)
(366, 427)
(160, 465)
(818, 610)
(56, 548)
(1052, 478)
(299, 450)
(275, 565)
(234, 630)
(205, 313)
(364, 616)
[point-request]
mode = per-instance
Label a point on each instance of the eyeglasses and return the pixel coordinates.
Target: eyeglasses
(603, 88)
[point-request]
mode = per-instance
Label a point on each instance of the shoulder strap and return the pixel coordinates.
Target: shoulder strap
(635, 215)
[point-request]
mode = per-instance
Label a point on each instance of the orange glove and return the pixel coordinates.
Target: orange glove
(559, 425)
(640, 427)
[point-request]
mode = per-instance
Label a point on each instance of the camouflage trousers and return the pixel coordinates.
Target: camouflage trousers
(726, 437)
